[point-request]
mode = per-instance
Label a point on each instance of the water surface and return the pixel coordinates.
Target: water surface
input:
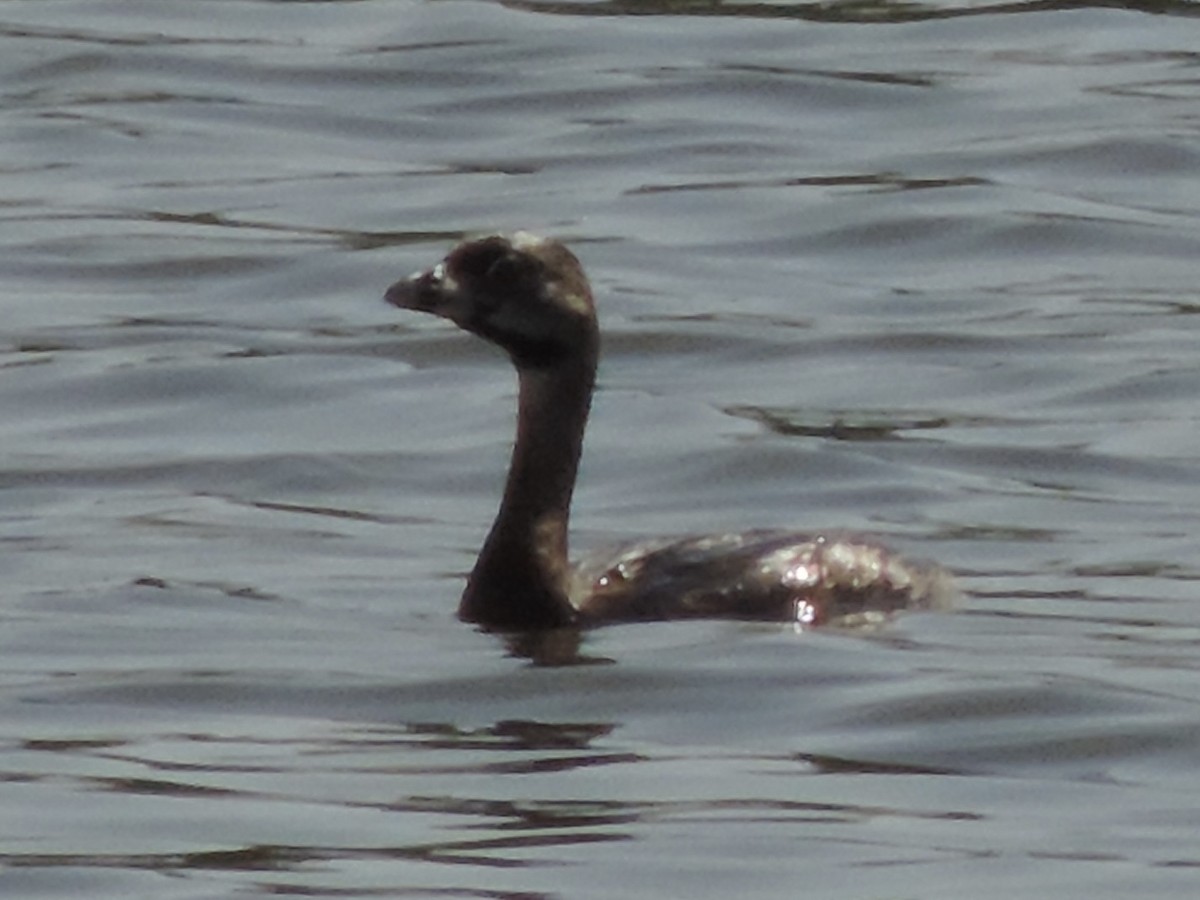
(924, 271)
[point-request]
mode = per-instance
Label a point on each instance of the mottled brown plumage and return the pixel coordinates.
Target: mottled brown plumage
(529, 296)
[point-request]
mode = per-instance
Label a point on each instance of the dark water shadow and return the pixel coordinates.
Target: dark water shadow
(845, 11)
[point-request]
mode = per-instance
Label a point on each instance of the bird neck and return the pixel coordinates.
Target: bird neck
(521, 578)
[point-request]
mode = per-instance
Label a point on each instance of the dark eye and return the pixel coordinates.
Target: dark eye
(507, 269)
(474, 262)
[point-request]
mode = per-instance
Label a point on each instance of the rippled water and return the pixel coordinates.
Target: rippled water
(926, 271)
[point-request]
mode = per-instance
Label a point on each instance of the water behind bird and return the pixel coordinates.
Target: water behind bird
(924, 273)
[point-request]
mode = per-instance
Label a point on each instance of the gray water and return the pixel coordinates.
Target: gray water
(922, 271)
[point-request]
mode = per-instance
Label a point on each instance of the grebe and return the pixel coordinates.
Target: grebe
(529, 296)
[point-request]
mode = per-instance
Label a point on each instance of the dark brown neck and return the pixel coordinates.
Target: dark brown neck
(521, 578)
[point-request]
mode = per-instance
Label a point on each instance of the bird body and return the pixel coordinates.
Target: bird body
(529, 296)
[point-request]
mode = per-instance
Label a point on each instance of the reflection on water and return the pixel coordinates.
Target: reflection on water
(919, 271)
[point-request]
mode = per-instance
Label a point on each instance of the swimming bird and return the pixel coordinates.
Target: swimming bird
(529, 296)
